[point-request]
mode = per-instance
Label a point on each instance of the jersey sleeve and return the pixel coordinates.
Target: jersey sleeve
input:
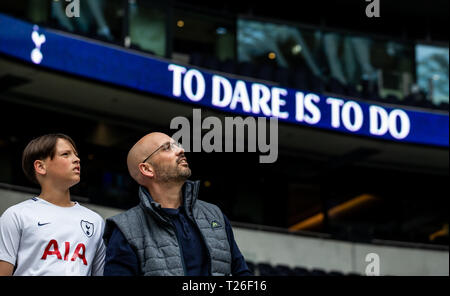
(10, 234)
(98, 264)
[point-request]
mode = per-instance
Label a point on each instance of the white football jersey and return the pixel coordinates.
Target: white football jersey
(40, 238)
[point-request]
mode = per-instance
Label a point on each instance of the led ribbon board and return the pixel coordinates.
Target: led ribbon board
(79, 56)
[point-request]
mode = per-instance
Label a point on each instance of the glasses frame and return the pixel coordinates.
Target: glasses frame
(171, 146)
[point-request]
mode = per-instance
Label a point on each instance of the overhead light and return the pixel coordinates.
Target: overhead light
(296, 49)
(271, 55)
(180, 23)
(221, 31)
(127, 41)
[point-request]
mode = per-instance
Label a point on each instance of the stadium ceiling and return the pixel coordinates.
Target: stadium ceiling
(412, 20)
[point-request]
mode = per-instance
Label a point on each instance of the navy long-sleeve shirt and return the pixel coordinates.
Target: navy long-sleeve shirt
(122, 260)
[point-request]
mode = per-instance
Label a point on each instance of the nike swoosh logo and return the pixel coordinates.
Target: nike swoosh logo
(42, 224)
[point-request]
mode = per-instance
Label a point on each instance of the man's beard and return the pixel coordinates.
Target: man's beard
(169, 174)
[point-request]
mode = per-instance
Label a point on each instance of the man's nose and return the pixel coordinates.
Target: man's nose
(178, 149)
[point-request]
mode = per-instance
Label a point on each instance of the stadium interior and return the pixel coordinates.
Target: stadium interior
(352, 193)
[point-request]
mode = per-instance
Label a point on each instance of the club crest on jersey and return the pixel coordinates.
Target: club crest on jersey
(87, 227)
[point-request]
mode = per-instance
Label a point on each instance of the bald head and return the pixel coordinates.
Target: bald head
(142, 149)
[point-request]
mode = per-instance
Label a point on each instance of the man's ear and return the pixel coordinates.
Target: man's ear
(39, 167)
(146, 170)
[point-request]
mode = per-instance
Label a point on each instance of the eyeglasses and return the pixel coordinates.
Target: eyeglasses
(165, 147)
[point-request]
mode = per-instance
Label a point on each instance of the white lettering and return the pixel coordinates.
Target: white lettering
(312, 108)
(177, 75)
(277, 102)
(260, 99)
(240, 95)
(358, 120)
(378, 129)
(335, 111)
(187, 85)
(219, 81)
(405, 124)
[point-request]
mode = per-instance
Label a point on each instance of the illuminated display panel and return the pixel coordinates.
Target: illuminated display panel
(116, 65)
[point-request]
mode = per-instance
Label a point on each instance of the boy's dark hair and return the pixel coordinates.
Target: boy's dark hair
(39, 149)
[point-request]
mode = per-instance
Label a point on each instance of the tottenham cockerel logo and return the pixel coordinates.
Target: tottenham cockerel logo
(87, 227)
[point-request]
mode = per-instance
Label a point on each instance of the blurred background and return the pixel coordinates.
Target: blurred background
(330, 199)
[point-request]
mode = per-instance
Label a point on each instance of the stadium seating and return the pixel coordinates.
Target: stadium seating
(266, 269)
(300, 271)
(335, 273)
(284, 270)
(353, 274)
(318, 272)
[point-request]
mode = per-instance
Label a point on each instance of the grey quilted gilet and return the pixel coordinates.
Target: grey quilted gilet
(152, 235)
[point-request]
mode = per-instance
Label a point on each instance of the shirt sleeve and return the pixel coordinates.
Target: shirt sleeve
(10, 234)
(238, 265)
(121, 260)
(99, 260)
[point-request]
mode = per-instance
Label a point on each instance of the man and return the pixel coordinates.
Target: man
(50, 234)
(170, 232)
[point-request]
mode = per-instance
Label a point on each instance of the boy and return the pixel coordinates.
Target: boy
(50, 234)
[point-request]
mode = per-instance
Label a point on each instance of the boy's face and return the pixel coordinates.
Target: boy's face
(64, 168)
